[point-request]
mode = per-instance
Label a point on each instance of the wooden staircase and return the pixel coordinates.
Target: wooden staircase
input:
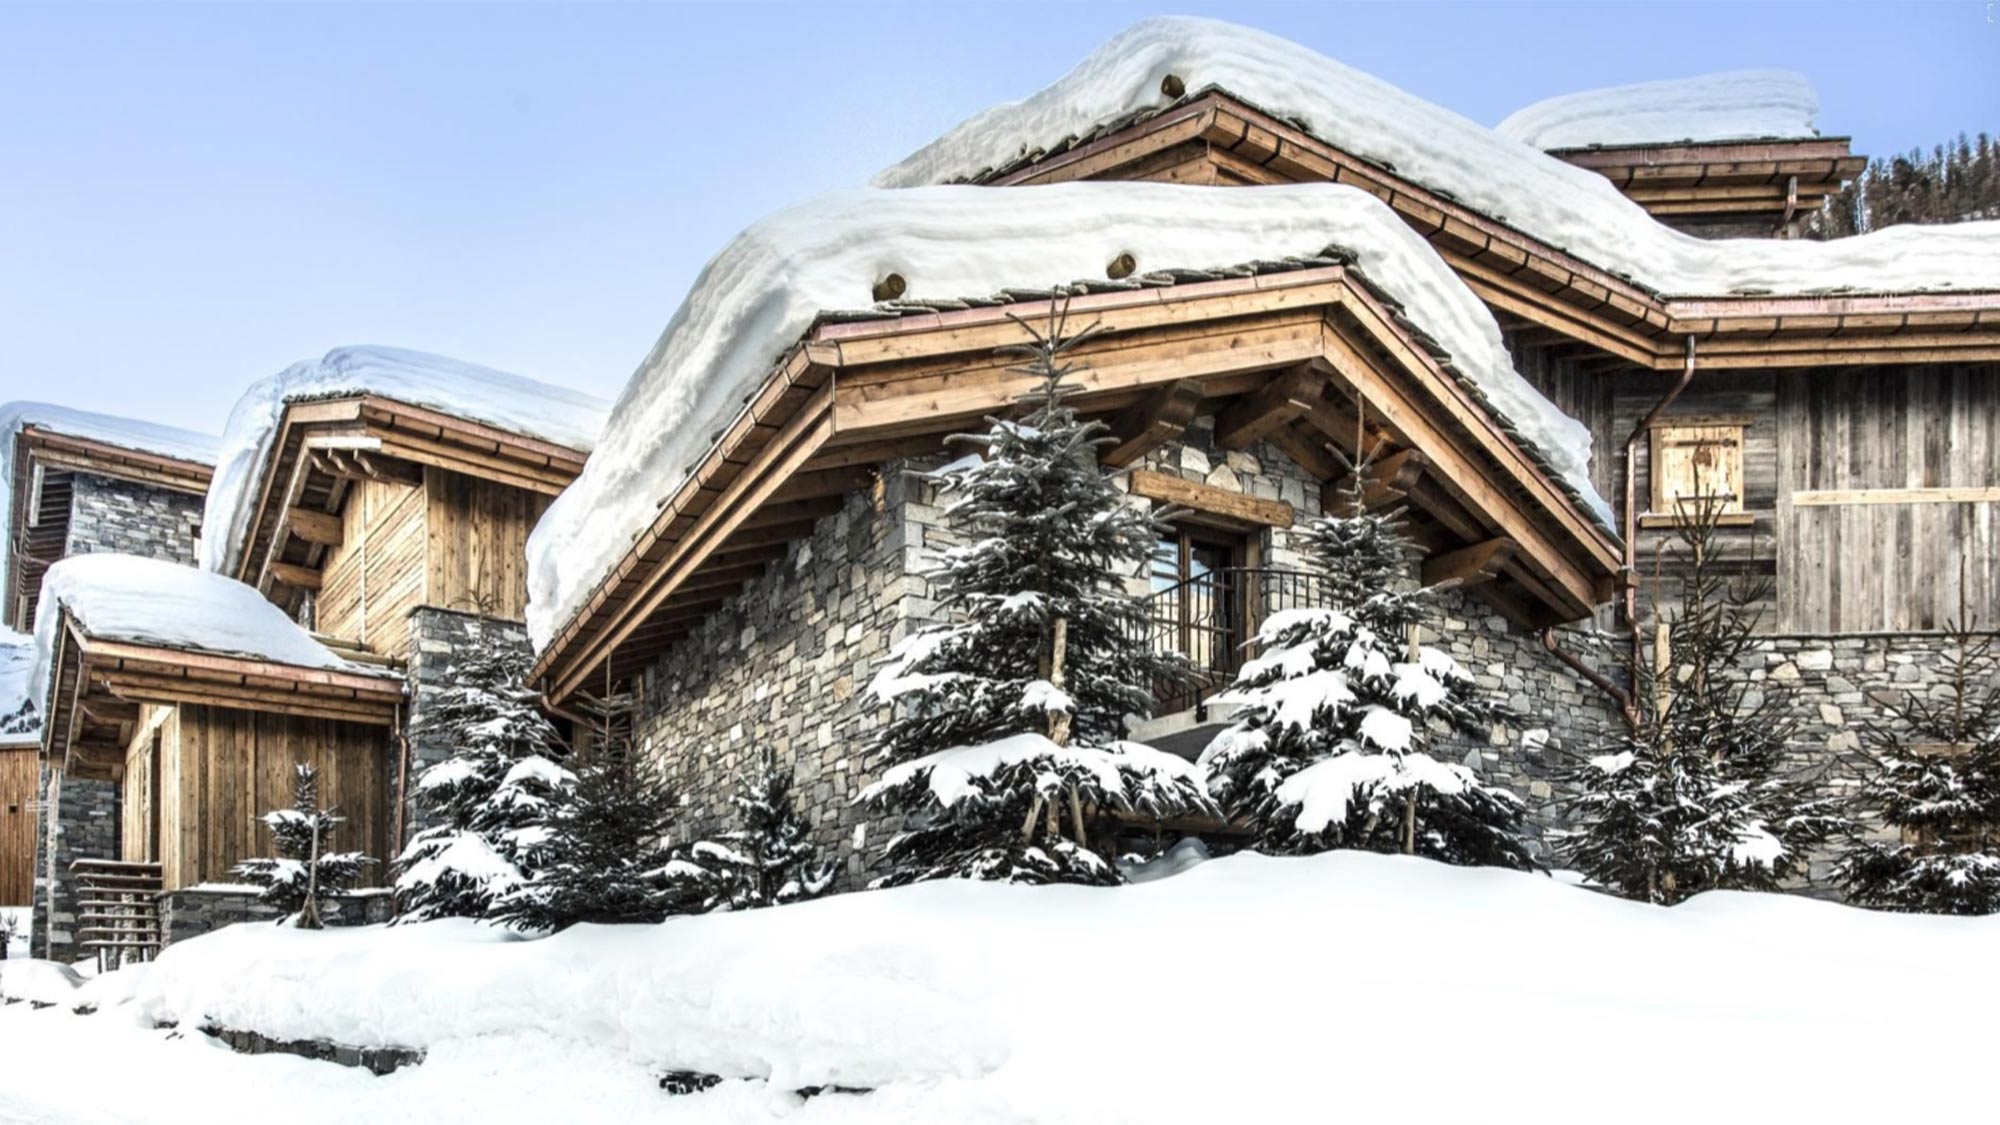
(117, 910)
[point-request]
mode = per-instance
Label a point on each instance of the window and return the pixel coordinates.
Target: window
(1697, 458)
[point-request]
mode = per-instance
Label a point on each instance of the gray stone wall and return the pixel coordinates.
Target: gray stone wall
(438, 637)
(194, 911)
(84, 826)
(780, 669)
(133, 519)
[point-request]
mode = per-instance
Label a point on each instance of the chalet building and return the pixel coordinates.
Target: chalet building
(366, 521)
(73, 483)
(751, 536)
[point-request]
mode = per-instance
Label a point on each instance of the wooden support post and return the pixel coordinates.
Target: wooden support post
(1283, 399)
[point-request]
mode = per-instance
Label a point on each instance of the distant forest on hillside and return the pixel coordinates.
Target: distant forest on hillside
(1953, 183)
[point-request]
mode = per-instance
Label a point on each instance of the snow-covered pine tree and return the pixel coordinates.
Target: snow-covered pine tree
(21, 720)
(768, 860)
(607, 859)
(1698, 796)
(1333, 745)
(306, 871)
(1933, 774)
(488, 800)
(1007, 733)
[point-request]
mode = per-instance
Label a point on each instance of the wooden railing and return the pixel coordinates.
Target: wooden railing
(117, 910)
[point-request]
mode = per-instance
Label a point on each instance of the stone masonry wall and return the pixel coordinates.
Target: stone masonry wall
(780, 668)
(194, 911)
(133, 519)
(85, 826)
(437, 638)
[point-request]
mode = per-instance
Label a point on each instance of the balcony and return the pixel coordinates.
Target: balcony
(1210, 619)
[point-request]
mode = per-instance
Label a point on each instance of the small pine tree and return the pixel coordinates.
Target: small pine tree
(306, 872)
(1009, 719)
(21, 720)
(489, 800)
(768, 860)
(1934, 776)
(1697, 796)
(1332, 747)
(607, 857)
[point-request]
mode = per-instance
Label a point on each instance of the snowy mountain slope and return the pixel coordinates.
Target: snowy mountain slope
(1730, 106)
(1347, 984)
(765, 289)
(466, 390)
(1564, 206)
(17, 665)
(125, 433)
(126, 598)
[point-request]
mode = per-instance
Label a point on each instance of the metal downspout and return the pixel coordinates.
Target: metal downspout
(1632, 512)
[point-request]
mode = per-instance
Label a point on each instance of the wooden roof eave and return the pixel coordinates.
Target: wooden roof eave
(395, 430)
(141, 673)
(1516, 272)
(896, 381)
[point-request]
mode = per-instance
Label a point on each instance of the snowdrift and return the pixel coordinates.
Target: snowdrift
(148, 601)
(1248, 988)
(1734, 105)
(465, 390)
(764, 290)
(1564, 206)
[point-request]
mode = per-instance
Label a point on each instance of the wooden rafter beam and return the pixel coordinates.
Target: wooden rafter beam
(1387, 481)
(1286, 397)
(293, 575)
(319, 528)
(1160, 417)
(1470, 566)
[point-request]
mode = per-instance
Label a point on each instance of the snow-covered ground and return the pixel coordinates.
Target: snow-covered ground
(1344, 986)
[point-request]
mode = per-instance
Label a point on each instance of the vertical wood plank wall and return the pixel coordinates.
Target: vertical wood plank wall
(377, 574)
(478, 550)
(223, 769)
(20, 775)
(1876, 567)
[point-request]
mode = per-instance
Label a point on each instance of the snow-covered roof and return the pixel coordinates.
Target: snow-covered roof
(765, 289)
(17, 665)
(160, 604)
(124, 433)
(1737, 105)
(518, 405)
(1566, 207)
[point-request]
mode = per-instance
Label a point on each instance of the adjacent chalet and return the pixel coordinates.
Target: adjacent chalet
(73, 483)
(1286, 259)
(367, 520)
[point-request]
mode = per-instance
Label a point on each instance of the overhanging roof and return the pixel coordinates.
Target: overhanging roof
(1294, 353)
(1772, 179)
(96, 687)
(323, 446)
(44, 465)
(1214, 137)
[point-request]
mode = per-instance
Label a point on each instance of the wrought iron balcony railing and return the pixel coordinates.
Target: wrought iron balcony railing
(1211, 618)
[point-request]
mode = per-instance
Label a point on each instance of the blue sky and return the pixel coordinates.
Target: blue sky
(194, 197)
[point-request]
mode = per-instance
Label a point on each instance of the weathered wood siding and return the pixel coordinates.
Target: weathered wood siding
(377, 574)
(1891, 566)
(222, 769)
(20, 775)
(478, 549)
